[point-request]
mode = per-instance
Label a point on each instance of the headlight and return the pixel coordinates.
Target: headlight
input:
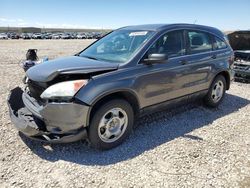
(63, 89)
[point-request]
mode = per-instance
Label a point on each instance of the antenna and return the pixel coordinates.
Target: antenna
(195, 21)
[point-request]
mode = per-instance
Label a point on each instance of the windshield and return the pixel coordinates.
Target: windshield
(118, 46)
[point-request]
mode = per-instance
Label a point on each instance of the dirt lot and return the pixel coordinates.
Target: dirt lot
(191, 146)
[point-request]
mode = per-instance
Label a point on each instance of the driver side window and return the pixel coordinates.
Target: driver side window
(171, 44)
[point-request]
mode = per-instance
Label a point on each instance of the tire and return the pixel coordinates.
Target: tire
(111, 124)
(213, 98)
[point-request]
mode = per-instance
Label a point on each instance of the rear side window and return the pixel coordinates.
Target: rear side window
(199, 42)
(219, 44)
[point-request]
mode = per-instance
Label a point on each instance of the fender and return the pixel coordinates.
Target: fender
(104, 89)
(86, 96)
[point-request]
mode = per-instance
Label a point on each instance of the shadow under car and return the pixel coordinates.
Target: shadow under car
(151, 131)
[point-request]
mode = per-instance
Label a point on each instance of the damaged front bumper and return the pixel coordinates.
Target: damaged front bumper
(242, 72)
(242, 76)
(54, 122)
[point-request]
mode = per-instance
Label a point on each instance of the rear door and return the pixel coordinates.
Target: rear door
(199, 60)
(221, 51)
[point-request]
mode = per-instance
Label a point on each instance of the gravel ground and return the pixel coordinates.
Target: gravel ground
(190, 146)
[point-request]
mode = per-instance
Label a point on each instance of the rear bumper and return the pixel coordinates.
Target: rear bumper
(54, 122)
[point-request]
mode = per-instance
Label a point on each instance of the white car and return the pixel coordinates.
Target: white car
(3, 36)
(56, 36)
(81, 36)
(37, 36)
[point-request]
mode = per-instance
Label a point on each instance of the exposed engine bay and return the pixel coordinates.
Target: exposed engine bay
(240, 42)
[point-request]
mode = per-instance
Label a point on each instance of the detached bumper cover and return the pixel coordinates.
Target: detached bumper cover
(54, 122)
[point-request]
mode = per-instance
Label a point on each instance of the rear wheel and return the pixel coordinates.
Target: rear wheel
(216, 92)
(111, 124)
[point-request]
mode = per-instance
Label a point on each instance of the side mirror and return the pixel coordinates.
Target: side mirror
(155, 58)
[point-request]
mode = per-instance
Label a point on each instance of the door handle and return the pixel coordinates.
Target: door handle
(183, 62)
(214, 56)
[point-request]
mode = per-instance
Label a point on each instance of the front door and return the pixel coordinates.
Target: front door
(164, 81)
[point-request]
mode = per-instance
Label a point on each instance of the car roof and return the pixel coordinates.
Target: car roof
(160, 27)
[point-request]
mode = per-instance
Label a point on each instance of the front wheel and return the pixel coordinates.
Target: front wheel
(216, 92)
(111, 124)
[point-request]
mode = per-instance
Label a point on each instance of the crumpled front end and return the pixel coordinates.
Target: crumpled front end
(242, 66)
(241, 73)
(53, 122)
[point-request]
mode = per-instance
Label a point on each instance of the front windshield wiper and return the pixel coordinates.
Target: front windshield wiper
(89, 57)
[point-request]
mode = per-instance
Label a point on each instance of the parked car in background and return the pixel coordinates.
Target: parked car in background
(240, 42)
(47, 36)
(72, 35)
(25, 36)
(98, 35)
(3, 36)
(56, 36)
(14, 36)
(65, 36)
(81, 36)
(36, 36)
(89, 35)
(135, 70)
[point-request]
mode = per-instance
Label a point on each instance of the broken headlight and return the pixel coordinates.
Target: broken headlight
(63, 89)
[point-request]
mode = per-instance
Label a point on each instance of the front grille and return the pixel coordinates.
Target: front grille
(35, 89)
(241, 66)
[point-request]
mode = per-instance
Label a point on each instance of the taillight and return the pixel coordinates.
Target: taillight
(231, 60)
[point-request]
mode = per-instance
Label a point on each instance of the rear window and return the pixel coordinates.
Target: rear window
(199, 42)
(219, 44)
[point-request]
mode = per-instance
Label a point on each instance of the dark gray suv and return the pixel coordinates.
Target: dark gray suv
(99, 92)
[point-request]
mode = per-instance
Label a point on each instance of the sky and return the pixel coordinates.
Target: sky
(112, 14)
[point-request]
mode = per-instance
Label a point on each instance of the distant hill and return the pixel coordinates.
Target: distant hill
(56, 30)
(51, 30)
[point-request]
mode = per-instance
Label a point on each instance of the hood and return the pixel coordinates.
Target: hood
(48, 70)
(239, 40)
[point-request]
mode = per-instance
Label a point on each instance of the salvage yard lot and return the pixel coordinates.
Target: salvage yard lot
(191, 146)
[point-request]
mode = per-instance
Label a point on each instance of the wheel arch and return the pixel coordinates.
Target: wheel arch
(226, 75)
(127, 95)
